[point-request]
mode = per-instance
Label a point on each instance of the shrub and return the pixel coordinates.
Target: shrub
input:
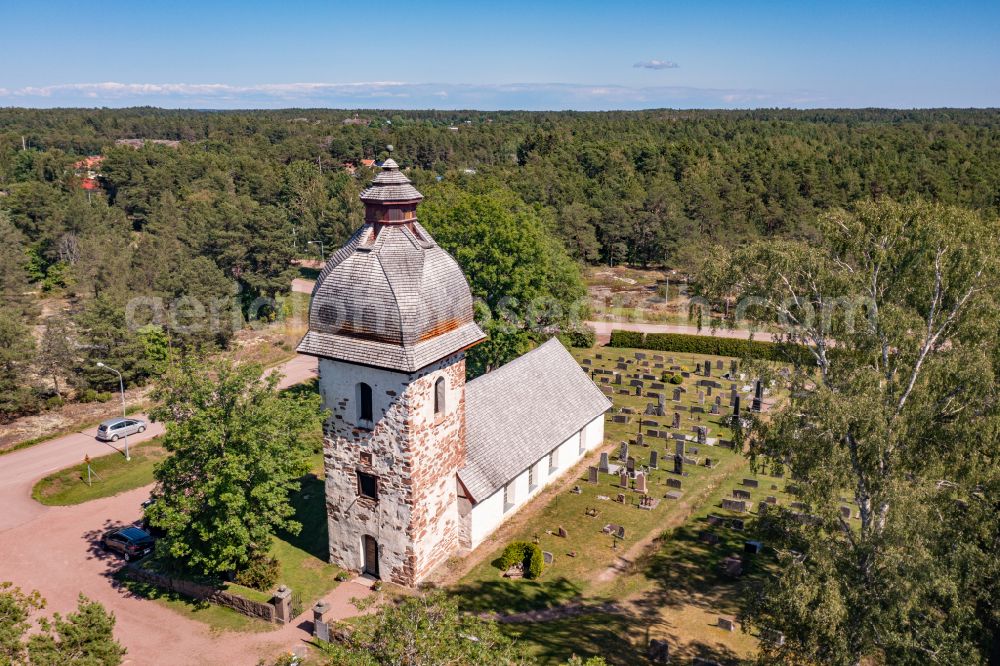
(528, 554)
(581, 336)
(342, 577)
(102, 396)
(261, 572)
(676, 379)
(54, 402)
(88, 395)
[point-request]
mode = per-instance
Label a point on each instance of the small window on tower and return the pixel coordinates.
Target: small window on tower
(439, 396)
(365, 404)
(368, 485)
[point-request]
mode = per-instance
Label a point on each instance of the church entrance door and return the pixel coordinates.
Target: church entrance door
(371, 556)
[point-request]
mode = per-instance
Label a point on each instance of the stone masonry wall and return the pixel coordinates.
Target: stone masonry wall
(415, 456)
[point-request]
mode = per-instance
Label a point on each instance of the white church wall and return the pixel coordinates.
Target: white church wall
(487, 515)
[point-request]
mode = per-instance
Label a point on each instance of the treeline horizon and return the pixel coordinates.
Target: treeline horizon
(220, 216)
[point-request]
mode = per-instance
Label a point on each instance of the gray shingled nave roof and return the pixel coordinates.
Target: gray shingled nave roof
(518, 413)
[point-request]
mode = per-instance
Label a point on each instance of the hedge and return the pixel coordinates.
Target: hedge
(711, 346)
(529, 554)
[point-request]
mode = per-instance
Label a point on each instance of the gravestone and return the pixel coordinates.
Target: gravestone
(751, 483)
(604, 463)
(739, 506)
(697, 368)
(661, 408)
(715, 410)
(709, 537)
(658, 652)
(678, 465)
(701, 397)
(736, 407)
(845, 512)
(592, 476)
(640, 483)
(679, 447)
(708, 368)
(771, 499)
(617, 378)
(702, 434)
(623, 479)
(752, 547)
(732, 366)
(630, 467)
(677, 420)
(718, 400)
(623, 451)
(654, 459)
(718, 364)
(741, 494)
(674, 483)
(674, 495)
(733, 566)
(562, 532)
(677, 394)
(638, 390)
(726, 624)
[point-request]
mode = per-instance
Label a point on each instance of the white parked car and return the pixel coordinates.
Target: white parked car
(114, 429)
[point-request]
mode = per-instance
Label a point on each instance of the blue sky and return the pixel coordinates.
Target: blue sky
(525, 55)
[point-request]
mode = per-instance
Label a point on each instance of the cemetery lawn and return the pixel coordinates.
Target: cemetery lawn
(661, 581)
(114, 475)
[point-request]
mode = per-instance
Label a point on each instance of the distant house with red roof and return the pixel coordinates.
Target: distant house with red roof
(88, 171)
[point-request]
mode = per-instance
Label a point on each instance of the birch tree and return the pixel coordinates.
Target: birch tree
(896, 412)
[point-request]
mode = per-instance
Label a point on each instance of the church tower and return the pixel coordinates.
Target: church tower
(390, 321)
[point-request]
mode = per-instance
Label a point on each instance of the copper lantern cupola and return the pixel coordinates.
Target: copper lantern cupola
(390, 199)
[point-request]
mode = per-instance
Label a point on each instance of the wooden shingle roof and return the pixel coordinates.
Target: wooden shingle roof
(520, 412)
(396, 300)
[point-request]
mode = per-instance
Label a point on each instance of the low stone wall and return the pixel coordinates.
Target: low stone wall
(256, 609)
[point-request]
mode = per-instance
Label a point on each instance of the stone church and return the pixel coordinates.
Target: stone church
(420, 465)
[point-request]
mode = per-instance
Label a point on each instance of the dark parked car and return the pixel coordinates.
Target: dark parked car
(129, 542)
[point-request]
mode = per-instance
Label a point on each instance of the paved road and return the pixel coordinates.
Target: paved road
(52, 550)
(21, 469)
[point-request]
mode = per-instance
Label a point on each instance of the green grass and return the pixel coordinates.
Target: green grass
(114, 475)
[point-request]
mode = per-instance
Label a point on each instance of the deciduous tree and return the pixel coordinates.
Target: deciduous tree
(898, 411)
(237, 449)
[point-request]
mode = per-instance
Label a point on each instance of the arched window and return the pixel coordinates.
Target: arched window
(365, 402)
(439, 396)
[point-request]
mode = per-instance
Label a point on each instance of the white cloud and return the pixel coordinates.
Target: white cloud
(656, 64)
(399, 95)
